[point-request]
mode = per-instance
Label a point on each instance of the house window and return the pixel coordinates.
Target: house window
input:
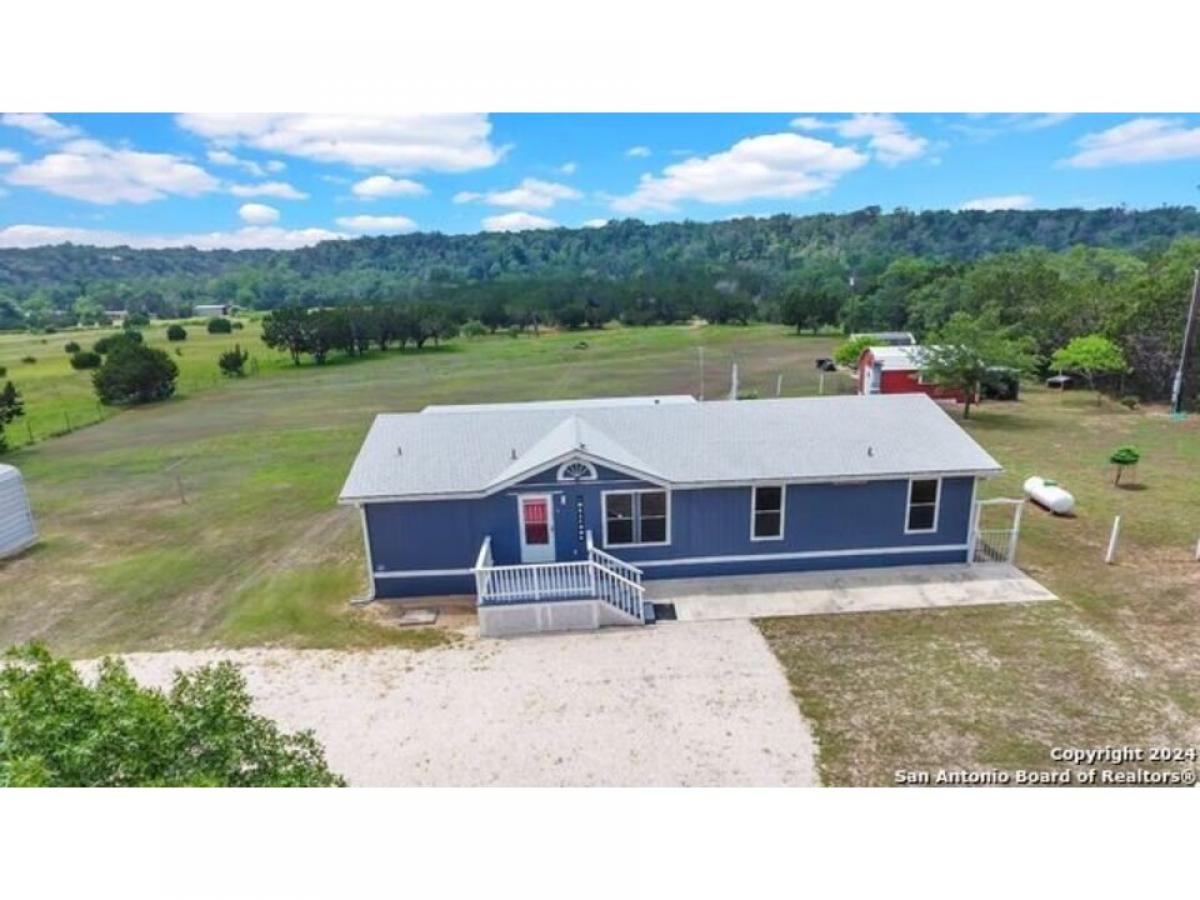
(923, 495)
(635, 517)
(767, 516)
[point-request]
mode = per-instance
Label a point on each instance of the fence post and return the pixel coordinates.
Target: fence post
(1015, 534)
(1198, 550)
(821, 386)
(779, 386)
(1112, 541)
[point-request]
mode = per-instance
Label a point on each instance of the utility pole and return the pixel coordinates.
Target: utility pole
(1185, 385)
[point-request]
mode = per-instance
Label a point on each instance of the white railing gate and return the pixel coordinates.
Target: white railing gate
(995, 541)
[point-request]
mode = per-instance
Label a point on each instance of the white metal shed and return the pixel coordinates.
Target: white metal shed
(17, 530)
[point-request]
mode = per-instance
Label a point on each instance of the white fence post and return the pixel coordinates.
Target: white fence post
(1198, 551)
(1112, 541)
(1015, 534)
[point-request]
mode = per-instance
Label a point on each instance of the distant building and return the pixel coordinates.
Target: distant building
(116, 316)
(897, 370)
(17, 530)
(888, 338)
(210, 310)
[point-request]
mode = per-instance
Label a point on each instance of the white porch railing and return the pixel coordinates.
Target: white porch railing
(995, 545)
(601, 576)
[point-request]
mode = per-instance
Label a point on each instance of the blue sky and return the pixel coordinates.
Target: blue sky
(291, 180)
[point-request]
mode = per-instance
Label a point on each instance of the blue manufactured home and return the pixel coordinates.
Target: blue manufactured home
(553, 514)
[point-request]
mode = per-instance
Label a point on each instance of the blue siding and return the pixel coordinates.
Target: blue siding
(446, 535)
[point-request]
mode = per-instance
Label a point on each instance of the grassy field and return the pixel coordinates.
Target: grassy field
(59, 399)
(259, 552)
(1114, 663)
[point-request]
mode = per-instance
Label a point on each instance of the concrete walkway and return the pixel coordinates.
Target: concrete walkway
(680, 704)
(846, 590)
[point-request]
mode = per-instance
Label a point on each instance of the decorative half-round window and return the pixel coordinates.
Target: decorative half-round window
(576, 470)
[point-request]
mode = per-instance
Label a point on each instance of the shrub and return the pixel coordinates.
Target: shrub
(233, 362)
(473, 328)
(30, 360)
(71, 347)
(3, 371)
(847, 354)
(133, 373)
(176, 332)
(86, 359)
(1130, 401)
(136, 320)
(219, 326)
(237, 326)
(106, 345)
(1123, 457)
(60, 731)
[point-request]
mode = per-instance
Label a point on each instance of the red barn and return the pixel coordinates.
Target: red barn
(897, 370)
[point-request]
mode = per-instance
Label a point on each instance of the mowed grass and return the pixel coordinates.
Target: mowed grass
(1113, 663)
(59, 399)
(255, 550)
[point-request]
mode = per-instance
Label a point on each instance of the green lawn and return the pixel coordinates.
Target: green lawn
(1114, 663)
(60, 399)
(260, 552)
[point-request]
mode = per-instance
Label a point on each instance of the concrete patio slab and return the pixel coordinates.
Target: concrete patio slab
(846, 590)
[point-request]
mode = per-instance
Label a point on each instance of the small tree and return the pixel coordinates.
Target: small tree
(1090, 355)
(134, 373)
(176, 332)
(106, 344)
(11, 408)
(220, 325)
(71, 347)
(1124, 457)
(60, 731)
(473, 328)
(960, 356)
(848, 353)
(233, 362)
(86, 359)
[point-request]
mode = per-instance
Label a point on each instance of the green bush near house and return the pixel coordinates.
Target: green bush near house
(56, 730)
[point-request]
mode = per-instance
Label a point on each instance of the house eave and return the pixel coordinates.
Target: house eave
(683, 485)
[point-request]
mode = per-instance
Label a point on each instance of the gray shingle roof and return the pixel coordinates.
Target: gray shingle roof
(427, 454)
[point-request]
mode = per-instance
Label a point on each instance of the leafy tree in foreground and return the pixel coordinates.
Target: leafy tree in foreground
(11, 407)
(960, 356)
(57, 730)
(1090, 355)
(233, 362)
(134, 373)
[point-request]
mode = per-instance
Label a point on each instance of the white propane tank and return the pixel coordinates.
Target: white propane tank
(1049, 495)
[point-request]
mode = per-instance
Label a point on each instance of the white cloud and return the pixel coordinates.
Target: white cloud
(769, 165)
(378, 223)
(258, 214)
(595, 223)
(92, 171)
(396, 143)
(9, 157)
(637, 151)
(257, 237)
(517, 221)
(281, 190)
(221, 157)
(1137, 141)
(568, 168)
(532, 193)
(886, 136)
(40, 124)
(1003, 201)
(387, 186)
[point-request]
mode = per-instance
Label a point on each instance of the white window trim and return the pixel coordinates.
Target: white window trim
(604, 495)
(591, 476)
(937, 507)
(782, 512)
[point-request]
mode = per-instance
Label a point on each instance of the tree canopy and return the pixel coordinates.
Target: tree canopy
(962, 354)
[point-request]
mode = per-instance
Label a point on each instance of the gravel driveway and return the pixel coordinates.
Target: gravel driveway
(680, 703)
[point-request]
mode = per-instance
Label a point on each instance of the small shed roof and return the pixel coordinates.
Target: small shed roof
(482, 450)
(897, 358)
